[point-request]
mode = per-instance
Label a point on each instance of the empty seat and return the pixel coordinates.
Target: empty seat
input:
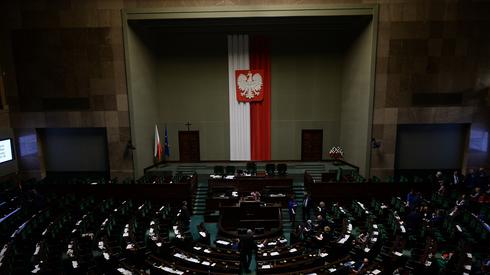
(282, 169)
(219, 170)
(270, 169)
(230, 170)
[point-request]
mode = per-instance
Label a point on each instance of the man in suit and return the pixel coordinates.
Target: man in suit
(246, 246)
(361, 269)
(307, 205)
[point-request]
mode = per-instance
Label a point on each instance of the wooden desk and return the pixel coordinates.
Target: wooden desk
(250, 215)
(252, 183)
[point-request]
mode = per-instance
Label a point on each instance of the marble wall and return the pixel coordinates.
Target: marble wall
(74, 50)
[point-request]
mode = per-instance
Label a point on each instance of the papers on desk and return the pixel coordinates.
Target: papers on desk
(130, 246)
(222, 242)
(38, 247)
(323, 255)
(374, 240)
(332, 270)
(367, 249)
(74, 264)
(428, 263)
(106, 255)
(215, 176)
(264, 254)
(349, 227)
(2, 253)
(344, 239)
(159, 244)
(124, 271)
(459, 228)
(376, 271)
(171, 270)
(197, 248)
(203, 234)
(207, 251)
(234, 194)
(403, 229)
(283, 240)
(375, 233)
(311, 274)
(229, 177)
(184, 257)
(469, 255)
(375, 226)
(267, 266)
(274, 253)
(280, 195)
(260, 245)
(467, 267)
(397, 253)
(36, 269)
(351, 263)
(101, 245)
(206, 263)
(272, 243)
(292, 250)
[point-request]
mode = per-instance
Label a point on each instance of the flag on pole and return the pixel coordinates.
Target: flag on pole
(166, 147)
(158, 146)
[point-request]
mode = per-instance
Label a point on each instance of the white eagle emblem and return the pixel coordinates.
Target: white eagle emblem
(249, 85)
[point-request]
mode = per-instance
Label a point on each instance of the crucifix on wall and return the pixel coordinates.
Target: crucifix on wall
(188, 124)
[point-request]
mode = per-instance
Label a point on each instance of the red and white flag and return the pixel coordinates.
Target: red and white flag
(158, 146)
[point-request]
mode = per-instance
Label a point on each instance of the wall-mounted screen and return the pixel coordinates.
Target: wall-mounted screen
(6, 150)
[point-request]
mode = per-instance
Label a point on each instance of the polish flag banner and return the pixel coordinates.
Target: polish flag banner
(249, 85)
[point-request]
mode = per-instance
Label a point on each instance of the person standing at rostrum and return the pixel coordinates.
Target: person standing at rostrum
(246, 247)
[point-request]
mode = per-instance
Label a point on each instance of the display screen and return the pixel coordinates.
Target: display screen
(5, 150)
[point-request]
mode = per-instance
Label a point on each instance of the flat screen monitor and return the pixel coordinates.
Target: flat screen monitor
(6, 150)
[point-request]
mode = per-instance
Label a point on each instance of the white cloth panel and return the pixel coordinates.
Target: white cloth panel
(238, 59)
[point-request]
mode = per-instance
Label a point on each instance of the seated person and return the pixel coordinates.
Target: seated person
(322, 210)
(362, 239)
(320, 222)
(362, 268)
(325, 236)
(437, 219)
(308, 227)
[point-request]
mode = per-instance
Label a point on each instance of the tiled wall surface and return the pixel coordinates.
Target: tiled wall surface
(74, 49)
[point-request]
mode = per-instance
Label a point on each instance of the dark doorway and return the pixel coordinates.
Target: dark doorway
(311, 145)
(189, 146)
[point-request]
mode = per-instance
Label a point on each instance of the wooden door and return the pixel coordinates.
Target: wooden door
(189, 146)
(311, 145)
